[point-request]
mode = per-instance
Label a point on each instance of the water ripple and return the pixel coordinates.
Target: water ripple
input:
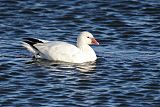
(126, 72)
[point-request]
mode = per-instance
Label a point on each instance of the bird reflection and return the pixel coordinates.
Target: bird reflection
(84, 67)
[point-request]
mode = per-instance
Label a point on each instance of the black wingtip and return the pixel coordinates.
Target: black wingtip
(32, 40)
(29, 42)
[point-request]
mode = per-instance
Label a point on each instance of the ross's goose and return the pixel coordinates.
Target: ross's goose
(63, 51)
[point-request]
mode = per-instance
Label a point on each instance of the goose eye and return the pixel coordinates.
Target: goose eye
(87, 37)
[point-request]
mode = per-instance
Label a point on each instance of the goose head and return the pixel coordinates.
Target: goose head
(86, 38)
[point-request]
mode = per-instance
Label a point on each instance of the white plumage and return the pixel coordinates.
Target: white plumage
(63, 51)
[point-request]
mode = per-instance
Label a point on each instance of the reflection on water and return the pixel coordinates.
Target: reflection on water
(84, 67)
(87, 67)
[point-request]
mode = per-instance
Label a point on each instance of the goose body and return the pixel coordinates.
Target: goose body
(63, 51)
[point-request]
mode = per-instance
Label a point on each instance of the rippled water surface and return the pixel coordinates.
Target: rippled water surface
(126, 74)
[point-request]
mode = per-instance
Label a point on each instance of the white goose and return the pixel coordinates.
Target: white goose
(63, 51)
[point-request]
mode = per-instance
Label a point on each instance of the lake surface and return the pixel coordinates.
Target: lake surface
(126, 73)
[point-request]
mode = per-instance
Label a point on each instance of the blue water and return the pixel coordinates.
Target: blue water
(126, 73)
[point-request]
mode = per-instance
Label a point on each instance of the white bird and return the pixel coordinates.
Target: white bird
(63, 51)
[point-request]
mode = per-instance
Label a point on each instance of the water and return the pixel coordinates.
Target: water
(126, 74)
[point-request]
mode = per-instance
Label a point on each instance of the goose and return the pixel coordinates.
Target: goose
(63, 51)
